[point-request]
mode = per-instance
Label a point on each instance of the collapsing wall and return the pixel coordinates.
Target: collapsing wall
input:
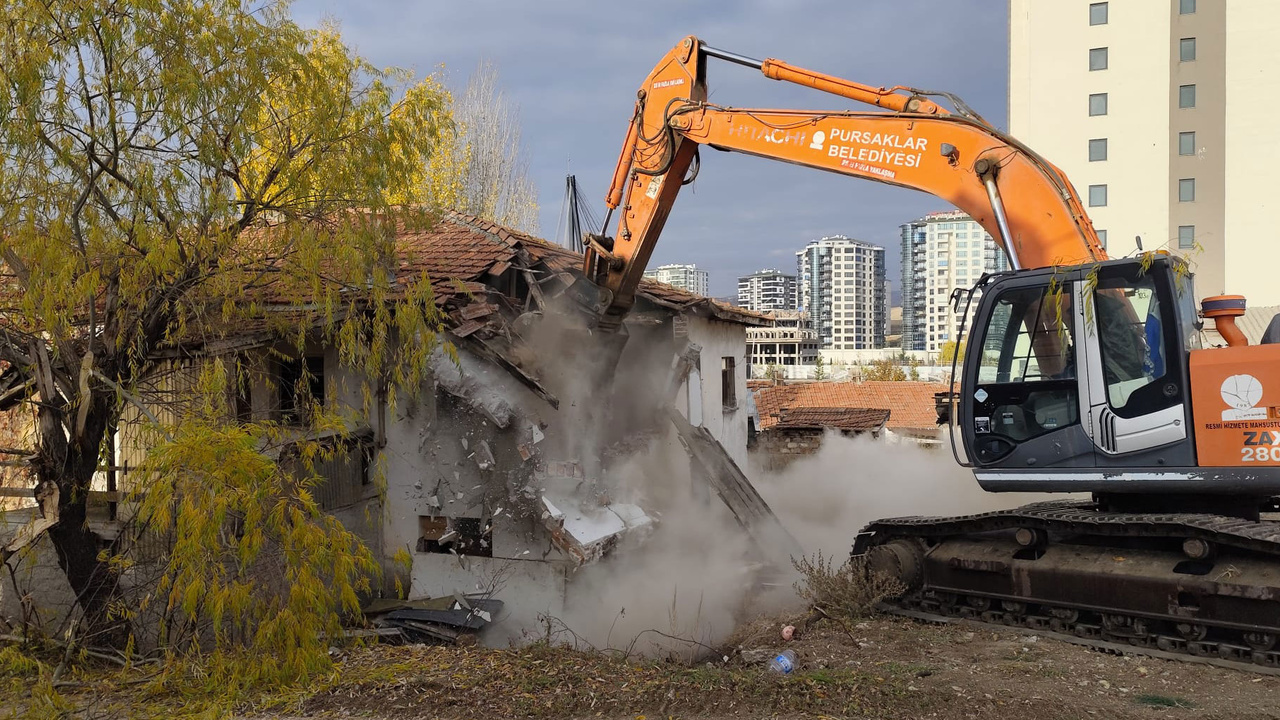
(537, 478)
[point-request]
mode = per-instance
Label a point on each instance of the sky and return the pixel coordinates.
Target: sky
(573, 67)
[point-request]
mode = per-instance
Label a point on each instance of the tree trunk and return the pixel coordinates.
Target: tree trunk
(68, 460)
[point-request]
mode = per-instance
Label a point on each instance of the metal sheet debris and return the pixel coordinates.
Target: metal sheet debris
(452, 619)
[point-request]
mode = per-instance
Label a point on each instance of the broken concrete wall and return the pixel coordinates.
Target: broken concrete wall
(703, 400)
(455, 466)
(529, 588)
(777, 448)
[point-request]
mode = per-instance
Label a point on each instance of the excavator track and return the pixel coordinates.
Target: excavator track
(1189, 586)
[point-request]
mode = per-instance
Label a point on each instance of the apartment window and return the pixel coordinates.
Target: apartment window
(1187, 190)
(1097, 149)
(1102, 238)
(1097, 104)
(1098, 13)
(1097, 196)
(728, 383)
(1187, 49)
(1186, 236)
(1186, 7)
(1186, 96)
(1186, 143)
(1098, 59)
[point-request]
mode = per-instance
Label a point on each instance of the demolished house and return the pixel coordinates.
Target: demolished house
(492, 480)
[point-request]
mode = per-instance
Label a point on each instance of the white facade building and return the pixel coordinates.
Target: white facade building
(1161, 113)
(790, 341)
(686, 277)
(941, 251)
(843, 288)
(768, 290)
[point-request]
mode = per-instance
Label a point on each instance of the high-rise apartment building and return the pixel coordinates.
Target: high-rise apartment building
(767, 290)
(843, 288)
(685, 277)
(941, 251)
(1161, 113)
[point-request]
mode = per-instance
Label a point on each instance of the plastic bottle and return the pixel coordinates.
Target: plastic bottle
(784, 662)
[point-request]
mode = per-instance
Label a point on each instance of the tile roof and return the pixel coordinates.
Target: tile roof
(840, 418)
(910, 404)
(463, 248)
(450, 251)
(464, 258)
(772, 399)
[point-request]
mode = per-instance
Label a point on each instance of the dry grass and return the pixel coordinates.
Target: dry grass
(849, 591)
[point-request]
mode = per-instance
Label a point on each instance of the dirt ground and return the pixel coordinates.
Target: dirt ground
(882, 668)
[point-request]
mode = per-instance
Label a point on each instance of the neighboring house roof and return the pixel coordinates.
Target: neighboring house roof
(910, 404)
(839, 418)
(772, 399)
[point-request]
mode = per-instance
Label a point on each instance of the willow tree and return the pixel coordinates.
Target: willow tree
(168, 165)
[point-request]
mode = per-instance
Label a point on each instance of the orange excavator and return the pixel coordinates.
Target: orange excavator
(1082, 374)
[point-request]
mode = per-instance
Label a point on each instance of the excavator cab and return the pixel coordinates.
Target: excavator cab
(1072, 371)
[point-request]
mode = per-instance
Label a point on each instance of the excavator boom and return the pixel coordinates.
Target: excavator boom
(1025, 202)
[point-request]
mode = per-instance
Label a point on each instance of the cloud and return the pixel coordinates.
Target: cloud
(574, 65)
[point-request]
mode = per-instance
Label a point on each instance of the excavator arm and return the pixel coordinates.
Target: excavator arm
(1025, 202)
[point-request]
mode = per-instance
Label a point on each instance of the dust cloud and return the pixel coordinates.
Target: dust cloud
(826, 498)
(699, 575)
(692, 578)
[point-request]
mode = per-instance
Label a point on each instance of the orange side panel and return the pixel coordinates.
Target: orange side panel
(1235, 396)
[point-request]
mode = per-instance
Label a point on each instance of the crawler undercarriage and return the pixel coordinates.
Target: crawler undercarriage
(1185, 585)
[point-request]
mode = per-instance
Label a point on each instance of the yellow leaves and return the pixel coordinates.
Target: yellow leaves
(254, 563)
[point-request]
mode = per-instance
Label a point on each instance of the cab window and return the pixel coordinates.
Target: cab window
(1026, 384)
(1029, 337)
(1132, 330)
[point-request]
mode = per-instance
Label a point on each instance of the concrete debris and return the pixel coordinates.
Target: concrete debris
(582, 521)
(587, 534)
(484, 456)
(465, 386)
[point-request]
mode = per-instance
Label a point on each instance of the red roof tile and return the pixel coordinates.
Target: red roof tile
(840, 418)
(465, 247)
(459, 252)
(910, 404)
